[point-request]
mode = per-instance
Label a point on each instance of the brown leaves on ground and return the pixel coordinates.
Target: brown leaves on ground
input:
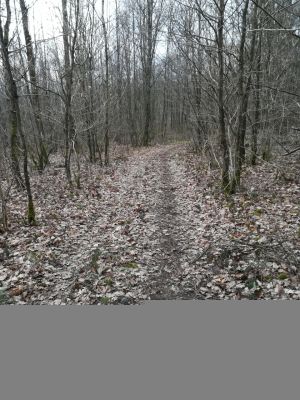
(153, 225)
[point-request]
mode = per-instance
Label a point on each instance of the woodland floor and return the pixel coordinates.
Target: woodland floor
(154, 226)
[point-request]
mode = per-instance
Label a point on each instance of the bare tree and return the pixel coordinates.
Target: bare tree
(15, 114)
(149, 24)
(43, 156)
(107, 97)
(223, 138)
(69, 42)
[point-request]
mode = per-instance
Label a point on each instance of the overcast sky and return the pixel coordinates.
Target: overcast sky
(46, 14)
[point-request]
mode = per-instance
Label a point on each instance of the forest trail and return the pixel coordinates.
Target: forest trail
(122, 238)
(151, 226)
(161, 285)
(168, 244)
(158, 202)
(105, 222)
(149, 237)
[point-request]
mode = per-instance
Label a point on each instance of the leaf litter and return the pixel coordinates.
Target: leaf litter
(153, 226)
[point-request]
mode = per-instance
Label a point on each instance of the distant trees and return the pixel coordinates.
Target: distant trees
(220, 72)
(149, 23)
(237, 58)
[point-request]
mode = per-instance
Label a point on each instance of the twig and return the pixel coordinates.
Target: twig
(202, 253)
(291, 152)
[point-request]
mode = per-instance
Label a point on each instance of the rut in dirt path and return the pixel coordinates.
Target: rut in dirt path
(163, 282)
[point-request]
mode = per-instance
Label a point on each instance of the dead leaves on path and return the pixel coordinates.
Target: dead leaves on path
(252, 237)
(103, 244)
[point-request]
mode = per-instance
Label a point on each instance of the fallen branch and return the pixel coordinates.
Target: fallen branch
(291, 152)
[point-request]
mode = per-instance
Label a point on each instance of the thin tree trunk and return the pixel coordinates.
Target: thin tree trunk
(4, 218)
(68, 89)
(15, 114)
(134, 96)
(106, 122)
(243, 127)
(237, 158)
(256, 124)
(164, 122)
(222, 123)
(119, 70)
(14, 153)
(148, 70)
(35, 101)
(69, 60)
(14, 149)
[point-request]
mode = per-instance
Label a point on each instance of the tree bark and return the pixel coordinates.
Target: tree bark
(106, 122)
(43, 157)
(237, 158)
(256, 124)
(222, 122)
(15, 114)
(69, 59)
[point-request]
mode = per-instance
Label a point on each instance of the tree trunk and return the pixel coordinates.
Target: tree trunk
(69, 60)
(43, 157)
(237, 157)
(222, 123)
(106, 122)
(15, 114)
(148, 69)
(256, 124)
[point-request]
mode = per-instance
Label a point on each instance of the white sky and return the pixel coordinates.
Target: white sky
(47, 16)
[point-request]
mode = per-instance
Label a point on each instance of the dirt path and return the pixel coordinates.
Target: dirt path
(161, 281)
(120, 239)
(152, 203)
(143, 229)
